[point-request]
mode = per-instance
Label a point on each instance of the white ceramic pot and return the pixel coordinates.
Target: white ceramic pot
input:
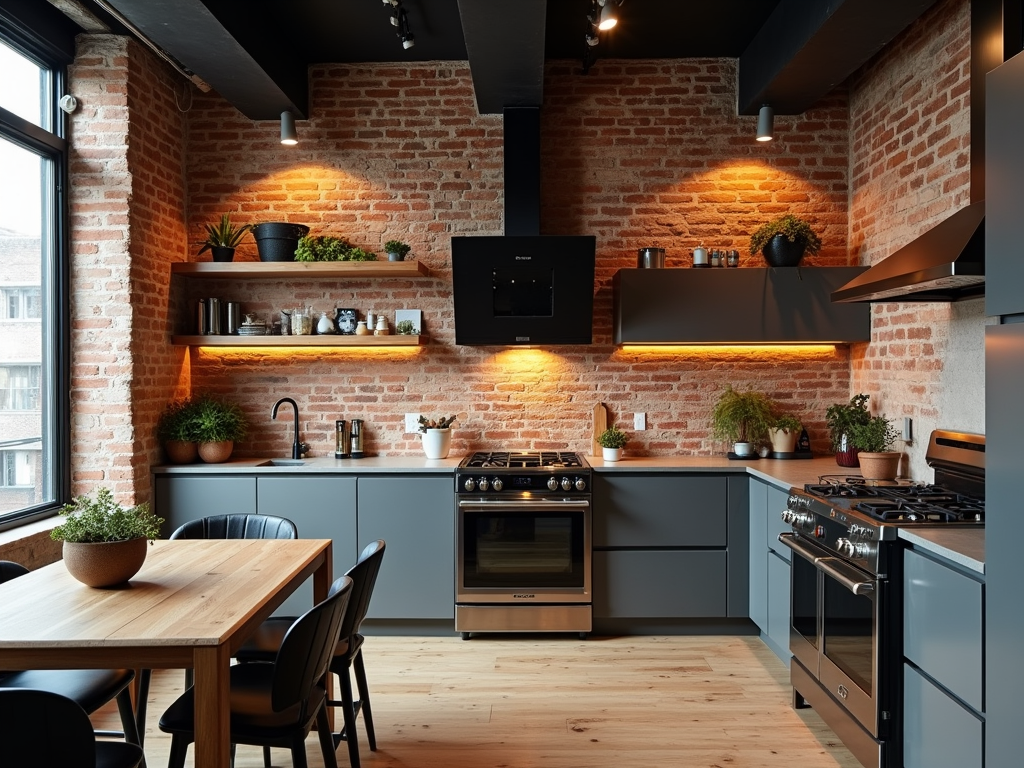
(743, 449)
(611, 454)
(437, 443)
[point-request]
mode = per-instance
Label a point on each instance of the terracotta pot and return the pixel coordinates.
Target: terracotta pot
(215, 453)
(437, 443)
(105, 563)
(783, 441)
(611, 454)
(181, 452)
(879, 466)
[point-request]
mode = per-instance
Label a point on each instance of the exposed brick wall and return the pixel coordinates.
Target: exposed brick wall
(910, 169)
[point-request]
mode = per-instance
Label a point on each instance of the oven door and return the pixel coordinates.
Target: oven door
(523, 551)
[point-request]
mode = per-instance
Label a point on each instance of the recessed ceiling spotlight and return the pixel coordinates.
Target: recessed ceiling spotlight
(288, 135)
(765, 123)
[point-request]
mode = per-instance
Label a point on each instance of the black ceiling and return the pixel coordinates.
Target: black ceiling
(256, 54)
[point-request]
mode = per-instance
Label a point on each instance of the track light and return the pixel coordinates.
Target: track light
(602, 16)
(765, 123)
(288, 135)
(608, 17)
(400, 21)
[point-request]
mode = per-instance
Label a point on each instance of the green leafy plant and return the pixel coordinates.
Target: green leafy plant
(397, 247)
(442, 423)
(103, 519)
(841, 418)
(789, 226)
(223, 235)
(405, 328)
(742, 417)
(786, 422)
(177, 422)
(612, 438)
(876, 435)
(215, 420)
(328, 248)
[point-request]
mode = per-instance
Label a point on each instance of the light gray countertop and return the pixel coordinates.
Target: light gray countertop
(964, 546)
(317, 465)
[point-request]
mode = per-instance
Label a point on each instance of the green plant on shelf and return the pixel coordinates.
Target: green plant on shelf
(789, 226)
(223, 234)
(329, 248)
(612, 438)
(397, 247)
(405, 328)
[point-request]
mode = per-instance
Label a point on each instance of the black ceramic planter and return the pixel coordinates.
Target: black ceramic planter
(781, 252)
(222, 253)
(277, 241)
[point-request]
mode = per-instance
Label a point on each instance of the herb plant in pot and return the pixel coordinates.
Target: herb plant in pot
(396, 250)
(437, 436)
(874, 440)
(223, 238)
(784, 240)
(104, 542)
(176, 430)
(612, 441)
(743, 418)
(840, 419)
(785, 430)
(218, 426)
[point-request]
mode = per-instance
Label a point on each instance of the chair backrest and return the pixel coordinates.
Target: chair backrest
(238, 527)
(41, 729)
(364, 576)
(307, 648)
(10, 570)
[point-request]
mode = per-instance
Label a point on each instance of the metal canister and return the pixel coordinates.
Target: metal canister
(356, 439)
(202, 327)
(650, 258)
(213, 316)
(234, 318)
(341, 439)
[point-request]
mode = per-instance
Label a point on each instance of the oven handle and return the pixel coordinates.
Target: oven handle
(532, 505)
(851, 578)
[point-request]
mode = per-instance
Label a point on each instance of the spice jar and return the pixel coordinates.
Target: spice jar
(361, 329)
(733, 259)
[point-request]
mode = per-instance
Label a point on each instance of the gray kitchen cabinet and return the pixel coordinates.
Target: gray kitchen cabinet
(659, 584)
(322, 507)
(776, 504)
(759, 554)
(778, 606)
(938, 731)
(416, 517)
(769, 567)
(180, 499)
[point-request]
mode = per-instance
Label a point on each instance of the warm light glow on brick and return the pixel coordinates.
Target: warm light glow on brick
(718, 350)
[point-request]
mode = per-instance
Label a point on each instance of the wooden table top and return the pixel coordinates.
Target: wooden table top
(189, 593)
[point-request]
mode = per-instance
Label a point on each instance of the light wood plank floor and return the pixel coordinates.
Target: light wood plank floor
(719, 702)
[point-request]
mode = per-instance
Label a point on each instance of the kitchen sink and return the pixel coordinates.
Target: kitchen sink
(282, 463)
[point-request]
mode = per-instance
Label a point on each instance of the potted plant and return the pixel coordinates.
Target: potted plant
(218, 426)
(874, 440)
(783, 432)
(396, 250)
(330, 248)
(612, 441)
(277, 240)
(104, 542)
(783, 241)
(437, 436)
(840, 419)
(223, 238)
(743, 418)
(176, 429)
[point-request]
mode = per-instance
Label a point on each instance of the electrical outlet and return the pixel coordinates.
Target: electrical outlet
(640, 421)
(412, 423)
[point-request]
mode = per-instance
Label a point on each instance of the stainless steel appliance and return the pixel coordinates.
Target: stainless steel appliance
(846, 582)
(523, 543)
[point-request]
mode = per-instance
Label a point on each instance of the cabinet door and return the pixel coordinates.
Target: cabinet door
(758, 555)
(321, 507)
(777, 499)
(654, 510)
(659, 584)
(416, 517)
(180, 498)
(938, 732)
(778, 604)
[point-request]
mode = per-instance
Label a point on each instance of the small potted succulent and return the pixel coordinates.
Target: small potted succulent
(744, 418)
(104, 542)
(784, 431)
(874, 440)
(840, 419)
(396, 250)
(783, 241)
(612, 441)
(223, 238)
(436, 436)
(218, 426)
(176, 429)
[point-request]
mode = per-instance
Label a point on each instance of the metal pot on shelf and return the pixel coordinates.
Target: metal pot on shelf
(650, 258)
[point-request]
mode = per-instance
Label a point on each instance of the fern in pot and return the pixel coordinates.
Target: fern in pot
(874, 440)
(743, 418)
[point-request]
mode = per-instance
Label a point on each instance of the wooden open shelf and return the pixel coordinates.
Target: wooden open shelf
(332, 340)
(299, 270)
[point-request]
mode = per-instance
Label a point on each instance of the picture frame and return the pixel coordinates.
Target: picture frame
(415, 316)
(345, 320)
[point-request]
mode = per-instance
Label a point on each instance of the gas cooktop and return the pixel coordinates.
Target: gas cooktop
(524, 460)
(901, 503)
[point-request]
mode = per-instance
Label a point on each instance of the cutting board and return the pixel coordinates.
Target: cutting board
(600, 425)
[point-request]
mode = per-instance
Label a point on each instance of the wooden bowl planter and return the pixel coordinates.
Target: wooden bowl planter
(217, 452)
(181, 451)
(105, 563)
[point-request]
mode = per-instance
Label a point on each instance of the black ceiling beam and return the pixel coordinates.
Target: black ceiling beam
(188, 31)
(808, 47)
(506, 52)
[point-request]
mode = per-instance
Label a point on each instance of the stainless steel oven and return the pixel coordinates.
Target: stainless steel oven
(523, 544)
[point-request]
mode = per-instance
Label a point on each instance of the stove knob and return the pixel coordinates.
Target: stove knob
(482, 484)
(819, 532)
(552, 484)
(469, 485)
(566, 484)
(496, 484)
(788, 516)
(845, 547)
(581, 484)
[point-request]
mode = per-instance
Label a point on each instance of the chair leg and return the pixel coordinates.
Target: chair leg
(323, 730)
(299, 753)
(349, 712)
(188, 678)
(179, 748)
(142, 702)
(266, 757)
(127, 711)
(364, 697)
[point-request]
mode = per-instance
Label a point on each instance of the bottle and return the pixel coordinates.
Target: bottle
(324, 325)
(356, 439)
(341, 439)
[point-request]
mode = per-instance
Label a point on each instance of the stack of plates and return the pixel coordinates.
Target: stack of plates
(256, 329)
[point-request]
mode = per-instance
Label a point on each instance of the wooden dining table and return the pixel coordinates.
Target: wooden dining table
(192, 605)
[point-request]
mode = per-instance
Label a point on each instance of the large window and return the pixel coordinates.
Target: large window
(34, 461)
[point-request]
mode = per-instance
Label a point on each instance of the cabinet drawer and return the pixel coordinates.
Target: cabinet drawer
(659, 584)
(938, 731)
(942, 625)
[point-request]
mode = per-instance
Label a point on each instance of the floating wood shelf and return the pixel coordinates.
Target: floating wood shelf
(298, 270)
(326, 341)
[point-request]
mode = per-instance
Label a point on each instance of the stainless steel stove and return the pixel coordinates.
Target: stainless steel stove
(846, 588)
(523, 543)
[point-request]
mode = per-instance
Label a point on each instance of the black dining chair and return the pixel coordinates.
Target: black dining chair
(275, 705)
(347, 653)
(237, 527)
(42, 729)
(89, 689)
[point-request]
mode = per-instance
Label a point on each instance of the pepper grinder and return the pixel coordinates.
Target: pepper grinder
(356, 439)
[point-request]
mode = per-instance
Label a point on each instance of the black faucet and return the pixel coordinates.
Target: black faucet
(298, 447)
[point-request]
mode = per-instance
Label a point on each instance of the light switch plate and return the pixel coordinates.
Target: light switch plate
(640, 421)
(412, 423)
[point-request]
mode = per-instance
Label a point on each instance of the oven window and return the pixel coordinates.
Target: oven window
(805, 600)
(523, 550)
(849, 634)
(523, 291)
